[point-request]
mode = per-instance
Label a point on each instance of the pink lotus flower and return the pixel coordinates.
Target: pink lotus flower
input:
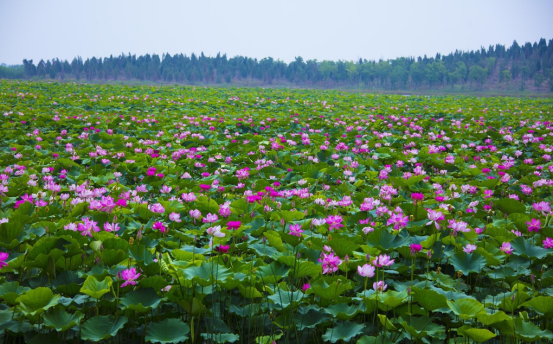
(548, 243)
(195, 213)
(129, 276)
(383, 260)
(296, 230)
(506, 248)
(469, 248)
(3, 257)
(305, 287)
(210, 218)
(366, 270)
(156, 208)
(534, 225)
(205, 187)
(216, 232)
(111, 227)
(380, 286)
(435, 218)
(542, 207)
(175, 217)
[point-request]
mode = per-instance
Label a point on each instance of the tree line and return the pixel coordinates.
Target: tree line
(494, 66)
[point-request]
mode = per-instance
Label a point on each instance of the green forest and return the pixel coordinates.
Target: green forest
(520, 67)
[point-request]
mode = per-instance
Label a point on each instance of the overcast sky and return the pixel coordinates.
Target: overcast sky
(322, 30)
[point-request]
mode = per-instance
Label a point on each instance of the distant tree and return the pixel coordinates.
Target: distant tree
(506, 76)
(538, 80)
(478, 74)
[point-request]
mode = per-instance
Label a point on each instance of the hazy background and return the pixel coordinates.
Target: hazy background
(322, 30)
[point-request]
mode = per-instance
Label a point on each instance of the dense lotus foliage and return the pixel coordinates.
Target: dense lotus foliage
(202, 215)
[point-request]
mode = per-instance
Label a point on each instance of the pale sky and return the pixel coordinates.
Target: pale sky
(322, 30)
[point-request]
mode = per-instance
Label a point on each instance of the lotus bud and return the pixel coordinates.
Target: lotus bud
(346, 259)
(533, 278)
(409, 290)
(368, 257)
(298, 255)
(101, 247)
(429, 254)
(264, 239)
(252, 214)
(282, 222)
(411, 218)
(139, 235)
(513, 297)
(97, 261)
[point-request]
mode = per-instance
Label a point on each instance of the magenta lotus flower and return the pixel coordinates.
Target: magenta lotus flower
(87, 227)
(398, 220)
(159, 226)
(506, 248)
(205, 187)
(334, 222)
(380, 286)
(234, 225)
(366, 270)
(435, 218)
(415, 248)
(548, 243)
(330, 262)
(129, 276)
(222, 248)
(534, 225)
(3, 257)
(469, 248)
(417, 197)
(305, 287)
(296, 230)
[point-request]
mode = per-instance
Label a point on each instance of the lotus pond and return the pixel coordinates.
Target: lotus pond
(205, 215)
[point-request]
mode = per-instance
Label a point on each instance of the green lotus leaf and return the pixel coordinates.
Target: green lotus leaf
(465, 308)
(284, 298)
(529, 332)
(37, 300)
(420, 327)
(168, 330)
(479, 335)
(468, 263)
(102, 327)
(384, 240)
(344, 331)
(509, 206)
(96, 289)
(429, 299)
(541, 304)
(490, 319)
(221, 337)
(342, 247)
(58, 319)
(141, 300)
(523, 247)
